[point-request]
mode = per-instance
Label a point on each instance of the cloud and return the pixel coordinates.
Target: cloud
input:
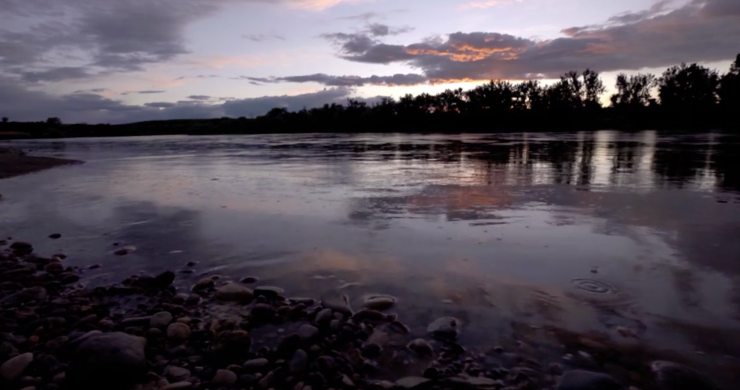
(342, 81)
(56, 74)
(489, 3)
(161, 105)
(148, 92)
(263, 37)
(703, 31)
(199, 97)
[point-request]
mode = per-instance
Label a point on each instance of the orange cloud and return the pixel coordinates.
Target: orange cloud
(468, 53)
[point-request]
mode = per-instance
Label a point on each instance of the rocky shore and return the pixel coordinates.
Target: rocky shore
(15, 162)
(218, 334)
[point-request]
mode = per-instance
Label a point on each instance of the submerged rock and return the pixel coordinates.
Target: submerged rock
(379, 302)
(110, 361)
(674, 376)
(337, 302)
(587, 380)
(445, 328)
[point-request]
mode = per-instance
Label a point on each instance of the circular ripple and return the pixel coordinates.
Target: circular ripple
(594, 286)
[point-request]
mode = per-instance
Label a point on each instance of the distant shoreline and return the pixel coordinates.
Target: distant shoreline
(14, 162)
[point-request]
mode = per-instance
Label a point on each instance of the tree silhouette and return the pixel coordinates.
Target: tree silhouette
(593, 89)
(634, 91)
(729, 89)
(5, 119)
(688, 87)
(54, 121)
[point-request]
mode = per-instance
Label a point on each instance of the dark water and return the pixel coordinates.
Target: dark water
(627, 238)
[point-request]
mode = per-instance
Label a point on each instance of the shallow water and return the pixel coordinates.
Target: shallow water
(630, 238)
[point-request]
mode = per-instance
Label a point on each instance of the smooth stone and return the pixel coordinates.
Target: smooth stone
(255, 364)
(268, 291)
(674, 376)
(379, 302)
(369, 316)
(446, 328)
(203, 284)
(55, 236)
(178, 386)
(13, 368)
(303, 300)
(111, 361)
(411, 382)
(307, 332)
(177, 374)
(323, 315)
(136, 321)
(298, 362)
(178, 331)
(263, 311)
(20, 245)
(249, 280)
(164, 279)
(587, 380)
(161, 320)
(233, 292)
(224, 378)
(420, 347)
(24, 296)
(336, 302)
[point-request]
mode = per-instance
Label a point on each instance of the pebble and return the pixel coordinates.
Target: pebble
(178, 386)
(411, 382)
(178, 331)
(307, 332)
(224, 378)
(255, 364)
(112, 360)
(420, 347)
(674, 376)
(336, 302)
(249, 280)
(203, 284)
(177, 374)
(587, 380)
(55, 236)
(24, 296)
(160, 320)
(13, 368)
(268, 291)
(232, 292)
(445, 328)
(298, 362)
(323, 316)
(379, 302)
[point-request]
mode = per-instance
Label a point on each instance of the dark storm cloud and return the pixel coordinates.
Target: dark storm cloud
(342, 81)
(703, 30)
(263, 37)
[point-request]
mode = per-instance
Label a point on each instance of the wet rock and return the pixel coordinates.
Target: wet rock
(203, 284)
(121, 252)
(263, 312)
(420, 347)
(110, 361)
(267, 380)
(674, 376)
(268, 291)
(224, 378)
(13, 368)
(412, 382)
(379, 302)
(298, 362)
(178, 386)
(367, 315)
(69, 278)
(232, 292)
(54, 268)
(307, 332)
(255, 364)
(337, 302)
(177, 374)
(136, 321)
(55, 236)
(371, 350)
(323, 316)
(163, 280)
(249, 280)
(161, 320)
(178, 332)
(445, 328)
(303, 300)
(21, 246)
(587, 380)
(24, 296)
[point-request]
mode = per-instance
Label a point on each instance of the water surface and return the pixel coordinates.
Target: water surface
(632, 238)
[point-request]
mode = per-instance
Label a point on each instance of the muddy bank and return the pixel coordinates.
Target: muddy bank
(14, 162)
(56, 333)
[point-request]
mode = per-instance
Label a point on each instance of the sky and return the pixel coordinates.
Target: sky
(118, 61)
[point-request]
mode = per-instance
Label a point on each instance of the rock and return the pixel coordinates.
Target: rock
(163, 280)
(298, 362)
(323, 316)
(420, 347)
(203, 284)
(268, 291)
(111, 361)
(587, 380)
(481, 381)
(379, 302)
(674, 376)
(249, 280)
(267, 380)
(367, 315)
(21, 246)
(412, 382)
(121, 252)
(445, 328)
(13, 368)
(371, 350)
(177, 374)
(233, 292)
(255, 364)
(136, 321)
(246, 380)
(307, 332)
(24, 296)
(161, 320)
(54, 268)
(55, 236)
(69, 278)
(263, 312)
(224, 378)
(178, 332)
(347, 381)
(178, 386)
(337, 302)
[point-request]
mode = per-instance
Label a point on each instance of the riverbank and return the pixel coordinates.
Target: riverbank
(14, 162)
(227, 334)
